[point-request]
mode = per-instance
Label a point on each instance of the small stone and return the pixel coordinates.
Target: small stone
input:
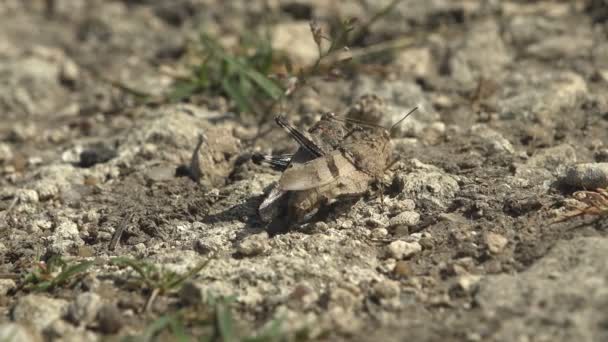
(401, 249)
(27, 196)
(386, 289)
(69, 73)
(468, 282)
(6, 285)
(561, 47)
(303, 297)
(91, 216)
(601, 155)
(407, 218)
(84, 308)
(587, 176)
(66, 229)
(46, 190)
(254, 244)
(110, 319)
(400, 230)
(379, 233)
(61, 330)
(374, 222)
(14, 332)
(321, 226)
(427, 183)
(23, 132)
(344, 322)
(296, 38)
(495, 242)
(6, 153)
(193, 293)
(38, 311)
(161, 173)
(402, 269)
(415, 61)
(65, 236)
(96, 154)
(342, 298)
(495, 142)
(553, 158)
(403, 205)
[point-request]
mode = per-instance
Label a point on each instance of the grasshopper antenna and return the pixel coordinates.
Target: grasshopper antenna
(403, 118)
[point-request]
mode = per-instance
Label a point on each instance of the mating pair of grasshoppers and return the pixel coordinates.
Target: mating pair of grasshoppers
(336, 159)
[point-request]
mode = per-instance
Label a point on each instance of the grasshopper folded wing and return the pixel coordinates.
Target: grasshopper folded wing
(316, 173)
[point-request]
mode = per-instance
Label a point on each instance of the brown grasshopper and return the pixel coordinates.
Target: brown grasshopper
(336, 159)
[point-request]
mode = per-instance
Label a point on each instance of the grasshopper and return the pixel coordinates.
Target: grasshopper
(336, 159)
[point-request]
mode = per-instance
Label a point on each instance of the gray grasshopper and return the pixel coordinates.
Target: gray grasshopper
(336, 159)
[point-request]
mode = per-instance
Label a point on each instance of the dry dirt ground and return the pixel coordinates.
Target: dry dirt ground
(462, 244)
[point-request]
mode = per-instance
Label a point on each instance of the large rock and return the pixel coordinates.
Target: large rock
(38, 311)
(563, 297)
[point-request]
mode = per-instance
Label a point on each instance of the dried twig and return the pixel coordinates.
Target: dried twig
(593, 203)
(119, 231)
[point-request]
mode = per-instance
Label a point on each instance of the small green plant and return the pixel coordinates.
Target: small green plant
(54, 273)
(159, 281)
(240, 75)
(215, 321)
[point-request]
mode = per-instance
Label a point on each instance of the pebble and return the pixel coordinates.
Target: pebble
(495, 242)
(27, 196)
(38, 310)
(402, 269)
(193, 293)
(561, 47)
(587, 176)
(160, 173)
(468, 282)
(303, 297)
(84, 308)
(415, 61)
(296, 38)
(66, 229)
(96, 154)
(342, 298)
(110, 319)
(494, 140)
(69, 73)
(379, 233)
(254, 244)
(46, 190)
(401, 249)
(6, 285)
(407, 218)
(385, 289)
(6, 152)
(14, 332)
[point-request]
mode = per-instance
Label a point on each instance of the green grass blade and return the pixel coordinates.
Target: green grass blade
(183, 91)
(225, 323)
(271, 333)
(235, 93)
(191, 273)
(268, 86)
(156, 327)
(43, 286)
(71, 271)
(134, 264)
(178, 329)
